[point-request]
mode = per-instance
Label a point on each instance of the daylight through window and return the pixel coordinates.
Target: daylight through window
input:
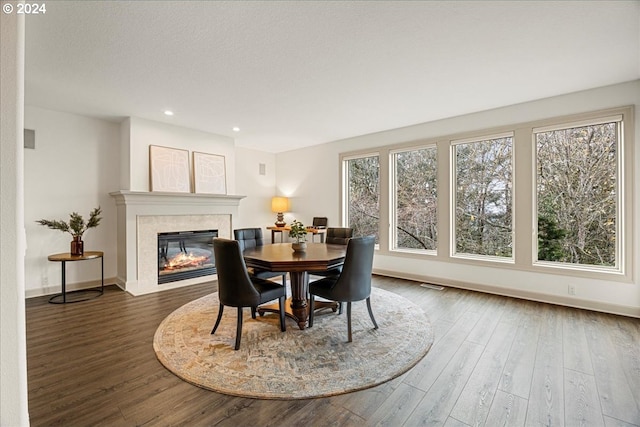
(483, 197)
(415, 199)
(577, 194)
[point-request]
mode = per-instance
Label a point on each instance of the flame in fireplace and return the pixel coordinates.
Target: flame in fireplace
(183, 260)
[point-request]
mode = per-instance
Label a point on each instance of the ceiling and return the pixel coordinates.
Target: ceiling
(292, 74)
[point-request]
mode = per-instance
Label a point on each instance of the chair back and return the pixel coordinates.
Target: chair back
(354, 283)
(234, 285)
(248, 237)
(320, 222)
(338, 236)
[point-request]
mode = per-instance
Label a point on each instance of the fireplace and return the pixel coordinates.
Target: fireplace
(185, 254)
(143, 215)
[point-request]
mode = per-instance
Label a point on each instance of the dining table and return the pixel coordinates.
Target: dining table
(281, 257)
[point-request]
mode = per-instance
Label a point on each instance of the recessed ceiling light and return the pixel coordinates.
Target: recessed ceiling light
(236, 129)
(168, 113)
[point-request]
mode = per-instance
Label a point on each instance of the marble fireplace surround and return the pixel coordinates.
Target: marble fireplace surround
(142, 215)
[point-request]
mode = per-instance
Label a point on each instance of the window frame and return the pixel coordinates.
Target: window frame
(523, 196)
(453, 198)
(393, 215)
(344, 185)
(621, 259)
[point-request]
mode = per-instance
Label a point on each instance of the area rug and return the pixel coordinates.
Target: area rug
(296, 364)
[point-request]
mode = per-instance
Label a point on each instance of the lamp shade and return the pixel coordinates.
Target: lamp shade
(279, 204)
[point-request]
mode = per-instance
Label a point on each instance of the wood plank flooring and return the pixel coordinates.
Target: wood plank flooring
(496, 361)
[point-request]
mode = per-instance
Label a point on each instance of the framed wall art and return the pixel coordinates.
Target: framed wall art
(209, 173)
(169, 169)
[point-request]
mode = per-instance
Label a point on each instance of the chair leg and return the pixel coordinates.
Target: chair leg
(339, 308)
(282, 302)
(220, 310)
(311, 310)
(284, 279)
(349, 321)
(371, 313)
(253, 312)
(239, 329)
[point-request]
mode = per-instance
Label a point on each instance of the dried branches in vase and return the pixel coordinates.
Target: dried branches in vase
(76, 227)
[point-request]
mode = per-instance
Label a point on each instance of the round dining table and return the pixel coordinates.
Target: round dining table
(281, 257)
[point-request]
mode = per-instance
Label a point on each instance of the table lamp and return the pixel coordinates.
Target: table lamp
(280, 205)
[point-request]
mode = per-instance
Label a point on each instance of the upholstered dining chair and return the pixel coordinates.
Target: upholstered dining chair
(250, 238)
(353, 283)
(237, 289)
(335, 236)
(338, 235)
(320, 222)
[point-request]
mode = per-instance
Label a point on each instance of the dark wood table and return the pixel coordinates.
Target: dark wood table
(280, 257)
(63, 258)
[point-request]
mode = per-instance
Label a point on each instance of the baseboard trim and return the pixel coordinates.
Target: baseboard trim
(621, 310)
(52, 290)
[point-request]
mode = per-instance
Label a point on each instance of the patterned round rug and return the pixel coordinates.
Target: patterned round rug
(295, 364)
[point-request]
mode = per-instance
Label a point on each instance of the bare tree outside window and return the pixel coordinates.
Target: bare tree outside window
(483, 197)
(363, 195)
(577, 194)
(416, 199)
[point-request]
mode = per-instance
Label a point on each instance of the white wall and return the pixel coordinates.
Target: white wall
(255, 209)
(311, 179)
(73, 168)
(13, 353)
(314, 188)
(143, 133)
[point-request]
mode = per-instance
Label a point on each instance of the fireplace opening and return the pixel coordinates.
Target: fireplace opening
(185, 254)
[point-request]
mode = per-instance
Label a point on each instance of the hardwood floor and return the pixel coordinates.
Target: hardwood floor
(495, 361)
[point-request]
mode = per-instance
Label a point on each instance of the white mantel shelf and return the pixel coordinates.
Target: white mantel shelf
(125, 197)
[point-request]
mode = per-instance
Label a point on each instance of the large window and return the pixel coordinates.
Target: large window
(414, 199)
(362, 195)
(577, 169)
(554, 194)
(483, 196)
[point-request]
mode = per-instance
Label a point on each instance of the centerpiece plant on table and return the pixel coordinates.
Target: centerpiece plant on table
(298, 232)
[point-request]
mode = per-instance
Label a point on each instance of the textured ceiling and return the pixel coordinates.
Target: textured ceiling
(298, 73)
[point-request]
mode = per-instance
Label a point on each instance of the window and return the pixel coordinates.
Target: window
(362, 195)
(414, 199)
(560, 201)
(578, 193)
(483, 196)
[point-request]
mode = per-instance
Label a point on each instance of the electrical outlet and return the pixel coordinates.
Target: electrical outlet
(571, 290)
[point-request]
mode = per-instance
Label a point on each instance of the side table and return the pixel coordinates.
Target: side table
(281, 230)
(67, 257)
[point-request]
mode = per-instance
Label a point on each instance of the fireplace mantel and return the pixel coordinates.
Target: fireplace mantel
(124, 197)
(142, 214)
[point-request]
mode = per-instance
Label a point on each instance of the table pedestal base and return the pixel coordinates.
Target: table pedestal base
(296, 307)
(299, 315)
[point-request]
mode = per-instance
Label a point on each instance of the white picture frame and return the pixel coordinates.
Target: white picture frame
(169, 169)
(209, 173)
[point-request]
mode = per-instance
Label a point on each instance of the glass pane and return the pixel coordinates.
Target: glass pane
(415, 199)
(484, 213)
(577, 194)
(363, 198)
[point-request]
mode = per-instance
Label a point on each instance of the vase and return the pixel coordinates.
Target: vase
(77, 246)
(299, 247)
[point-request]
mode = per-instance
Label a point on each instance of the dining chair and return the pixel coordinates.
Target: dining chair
(320, 222)
(353, 283)
(250, 238)
(338, 235)
(237, 289)
(335, 236)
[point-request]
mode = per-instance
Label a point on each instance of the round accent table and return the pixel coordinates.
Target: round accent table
(90, 293)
